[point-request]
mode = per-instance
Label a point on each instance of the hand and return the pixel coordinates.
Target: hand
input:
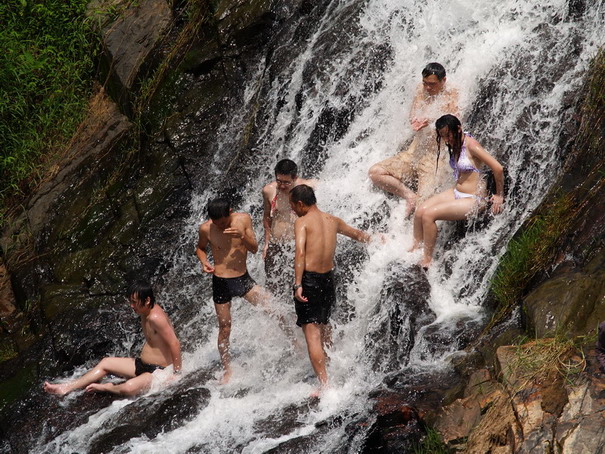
(497, 202)
(234, 232)
(299, 295)
(381, 237)
(207, 268)
(419, 123)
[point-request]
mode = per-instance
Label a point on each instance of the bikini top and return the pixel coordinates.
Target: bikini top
(464, 164)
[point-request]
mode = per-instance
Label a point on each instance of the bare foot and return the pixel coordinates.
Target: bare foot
(99, 387)
(59, 389)
(415, 246)
(317, 392)
(226, 377)
(425, 263)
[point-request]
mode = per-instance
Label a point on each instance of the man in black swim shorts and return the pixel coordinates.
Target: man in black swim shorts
(314, 287)
(230, 237)
(161, 349)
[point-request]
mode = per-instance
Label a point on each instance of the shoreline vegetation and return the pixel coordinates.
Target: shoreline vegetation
(47, 70)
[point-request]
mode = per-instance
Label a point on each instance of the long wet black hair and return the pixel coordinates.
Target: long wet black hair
(455, 127)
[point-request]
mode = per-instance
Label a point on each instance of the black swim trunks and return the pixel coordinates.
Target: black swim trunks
(225, 288)
(140, 367)
(320, 290)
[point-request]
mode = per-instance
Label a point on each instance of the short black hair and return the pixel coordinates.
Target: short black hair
(434, 68)
(303, 193)
(142, 290)
(286, 167)
(219, 208)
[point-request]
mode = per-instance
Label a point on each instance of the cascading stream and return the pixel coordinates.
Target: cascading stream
(518, 66)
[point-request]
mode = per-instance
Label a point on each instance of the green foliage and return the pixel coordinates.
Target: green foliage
(46, 69)
(431, 444)
(530, 253)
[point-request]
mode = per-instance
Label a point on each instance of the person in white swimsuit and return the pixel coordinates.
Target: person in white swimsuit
(467, 196)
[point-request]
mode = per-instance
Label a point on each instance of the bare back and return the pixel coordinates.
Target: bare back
(320, 231)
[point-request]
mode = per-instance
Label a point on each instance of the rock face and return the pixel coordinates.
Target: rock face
(129, 44)
(539, 411)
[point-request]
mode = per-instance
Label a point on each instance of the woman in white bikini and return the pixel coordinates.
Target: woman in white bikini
(469, 193)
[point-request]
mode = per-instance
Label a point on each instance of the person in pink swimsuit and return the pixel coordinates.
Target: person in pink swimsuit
(468, 195)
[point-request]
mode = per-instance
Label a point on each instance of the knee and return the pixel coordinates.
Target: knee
(375, 171)
(129, 389)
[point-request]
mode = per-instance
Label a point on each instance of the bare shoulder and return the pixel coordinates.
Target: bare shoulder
(157, 316)
(205, 226)
(269, 190)
(313, 182)
(472, 144)
(243, 218)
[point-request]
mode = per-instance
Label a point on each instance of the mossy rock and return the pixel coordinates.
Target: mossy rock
(571, 303)
(59, 298)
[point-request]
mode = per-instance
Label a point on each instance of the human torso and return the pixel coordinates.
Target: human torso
(467, 172)
(282, 216)
(431, 108)
(321, 230)
(229, 252)
(155, 350)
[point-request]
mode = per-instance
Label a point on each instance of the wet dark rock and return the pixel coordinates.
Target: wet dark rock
(42, 417)
(397, 429)
(129, 44)
(151, 415)
(402, 311)
(451, 335)
(284, 422)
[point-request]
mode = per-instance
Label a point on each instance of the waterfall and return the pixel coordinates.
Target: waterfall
(340, 105)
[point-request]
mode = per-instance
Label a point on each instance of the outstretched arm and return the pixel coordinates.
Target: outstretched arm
(200, 250)
(477, 152)
(358, 235)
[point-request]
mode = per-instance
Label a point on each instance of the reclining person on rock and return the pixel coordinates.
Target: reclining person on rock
(161, 349)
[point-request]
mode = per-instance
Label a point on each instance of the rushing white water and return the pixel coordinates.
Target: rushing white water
(516, 64)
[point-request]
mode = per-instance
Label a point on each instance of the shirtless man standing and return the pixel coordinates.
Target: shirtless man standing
(314, 287)
(416, 165)
(278, 221)
(231, 237)
(161, 349)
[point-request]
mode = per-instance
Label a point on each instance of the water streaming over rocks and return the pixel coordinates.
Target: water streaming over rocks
(334, 94)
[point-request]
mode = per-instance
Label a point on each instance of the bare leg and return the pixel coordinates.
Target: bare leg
(387, 182)
(317, 355)
(132, 387)
(445, 196)
(262, 297)
(223, 313)
(123, 367)
(453, 210)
